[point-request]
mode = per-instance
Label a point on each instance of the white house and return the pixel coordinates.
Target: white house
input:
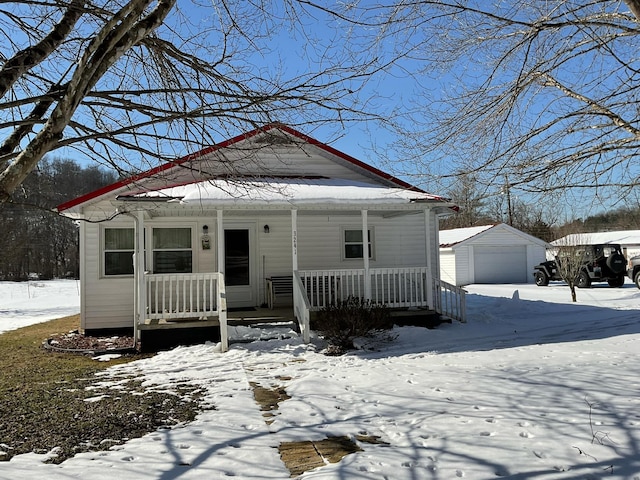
(489, 254)
(236, 224)
(629, 240)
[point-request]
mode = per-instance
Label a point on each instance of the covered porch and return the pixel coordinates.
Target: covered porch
(178, 301)
(166, 301)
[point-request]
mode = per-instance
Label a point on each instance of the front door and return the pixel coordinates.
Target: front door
(239, 270)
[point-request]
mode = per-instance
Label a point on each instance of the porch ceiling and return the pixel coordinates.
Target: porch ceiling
(283, 192)
(154, 209)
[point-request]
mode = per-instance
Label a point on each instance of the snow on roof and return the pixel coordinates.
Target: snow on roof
(623, 237)
(448, 238)
(283, 190)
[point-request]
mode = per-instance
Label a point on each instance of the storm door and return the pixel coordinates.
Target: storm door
(239, 269)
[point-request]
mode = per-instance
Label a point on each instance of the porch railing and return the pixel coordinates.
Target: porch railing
(199, 296)
(395, 287)
(402, 287)
(450, 300)
(182, 295)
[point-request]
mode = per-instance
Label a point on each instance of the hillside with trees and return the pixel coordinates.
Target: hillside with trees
(478, 208)
(36, 241)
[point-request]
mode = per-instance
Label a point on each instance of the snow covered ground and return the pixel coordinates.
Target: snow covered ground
(532, 387)
(26, 303)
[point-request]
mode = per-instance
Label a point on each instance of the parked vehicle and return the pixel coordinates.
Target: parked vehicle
(633, 270)
(600, 263)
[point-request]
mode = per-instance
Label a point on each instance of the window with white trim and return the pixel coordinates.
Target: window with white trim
(352, 243)
(118, 251)
(172, 251)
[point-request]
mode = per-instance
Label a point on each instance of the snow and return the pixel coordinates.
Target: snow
(456, 235)
(532, 386)
(285, 191)
(26, 303)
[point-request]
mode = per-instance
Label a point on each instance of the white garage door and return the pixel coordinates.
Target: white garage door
(506, 264)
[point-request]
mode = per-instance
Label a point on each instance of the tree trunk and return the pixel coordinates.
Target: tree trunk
(634, 6)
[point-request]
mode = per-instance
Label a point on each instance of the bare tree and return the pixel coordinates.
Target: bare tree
(471, 200)
(156, 79)
(570, 260)
(542, 91)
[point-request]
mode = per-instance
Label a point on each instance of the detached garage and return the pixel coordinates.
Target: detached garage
(489, 254)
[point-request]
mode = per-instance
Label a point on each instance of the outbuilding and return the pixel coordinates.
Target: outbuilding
(629, 240)
(489, 254)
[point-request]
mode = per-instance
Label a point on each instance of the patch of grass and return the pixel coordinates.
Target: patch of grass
(45, 403)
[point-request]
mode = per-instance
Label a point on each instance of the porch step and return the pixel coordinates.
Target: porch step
(259, 316)
(166, 324)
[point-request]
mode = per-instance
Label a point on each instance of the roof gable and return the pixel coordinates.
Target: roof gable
(449, 238)
(460, 236)
(274, 151)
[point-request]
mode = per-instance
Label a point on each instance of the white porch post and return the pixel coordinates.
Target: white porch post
(365, 254)
(294, 239)
(429, 252)
(222, 289)
(140, 274)
(300, 304)
(220, 240)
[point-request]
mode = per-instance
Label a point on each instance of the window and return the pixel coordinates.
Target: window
(172, 250)
(353, 244)
(118, 251)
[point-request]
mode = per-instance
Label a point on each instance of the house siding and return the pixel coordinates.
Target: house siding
(448, 266)
(107, 302)
(396, 241)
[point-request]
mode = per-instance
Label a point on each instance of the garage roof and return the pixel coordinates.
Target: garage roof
(457, 236)
(623, 237)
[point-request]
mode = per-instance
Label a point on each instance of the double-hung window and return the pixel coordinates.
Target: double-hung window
(118, 251)
(172, 251)
(353, 245)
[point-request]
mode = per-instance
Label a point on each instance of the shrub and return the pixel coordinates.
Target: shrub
(354, 317)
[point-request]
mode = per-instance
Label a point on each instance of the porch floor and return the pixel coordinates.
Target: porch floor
(236, 317)
(259, 315)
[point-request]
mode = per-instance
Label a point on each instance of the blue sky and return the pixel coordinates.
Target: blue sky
(295, 49)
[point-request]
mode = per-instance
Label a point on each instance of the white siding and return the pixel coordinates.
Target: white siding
(464, 265)
(274, 249)
(107, 302)
(448, 266)
(398, 241)
(304, 160)
(535, 255)
(498, 255)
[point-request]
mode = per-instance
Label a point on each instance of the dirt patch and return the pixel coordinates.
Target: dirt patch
(370, 439)
(300, 457)
(268, 399)
(76, 342)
